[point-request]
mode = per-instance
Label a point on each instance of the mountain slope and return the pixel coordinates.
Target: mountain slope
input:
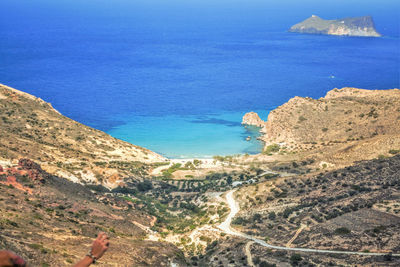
(32, 128)
(356, 208)
(51, 221)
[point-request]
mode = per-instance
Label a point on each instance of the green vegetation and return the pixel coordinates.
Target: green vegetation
(295, 259)
(190, 165)
(342, 231)
(273, 148)
(394, 151)
(302, 118)
(272, 216)
(228, 159)
(373, 113)
(177, 215)
(168, 172)
(240, 221)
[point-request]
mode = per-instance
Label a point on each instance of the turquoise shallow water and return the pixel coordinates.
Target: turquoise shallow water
(190, 136)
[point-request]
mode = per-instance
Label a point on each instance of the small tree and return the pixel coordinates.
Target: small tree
(257, 217)
(295, 259)
(272, 216)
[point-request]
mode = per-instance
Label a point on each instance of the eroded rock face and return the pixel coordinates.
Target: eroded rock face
(34, 170)
(358, 26)
(253, 119)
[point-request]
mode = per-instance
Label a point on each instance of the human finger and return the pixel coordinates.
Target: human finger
(101, 234)
(104, 237)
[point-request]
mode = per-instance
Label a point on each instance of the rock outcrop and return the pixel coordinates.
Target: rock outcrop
(358, 26)
(34, 171)
(252, 118)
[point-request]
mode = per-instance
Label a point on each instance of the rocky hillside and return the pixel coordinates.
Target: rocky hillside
(32, 128)
(356, 208)
(359, 26)
(51, 221)
(346, 125)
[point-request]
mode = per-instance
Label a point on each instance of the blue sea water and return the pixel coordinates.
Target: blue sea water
(177, 76)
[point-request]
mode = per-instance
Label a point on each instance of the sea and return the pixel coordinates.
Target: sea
(177, 76)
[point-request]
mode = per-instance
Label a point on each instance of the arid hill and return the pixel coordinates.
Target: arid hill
(32, 128)
(356, 208)
(345, 126)
(51, 221)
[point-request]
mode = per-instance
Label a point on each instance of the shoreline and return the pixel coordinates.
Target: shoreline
(191, 136)
(205, 163)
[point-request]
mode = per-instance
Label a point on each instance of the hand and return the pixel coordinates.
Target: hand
(8, 258)
(100, 245)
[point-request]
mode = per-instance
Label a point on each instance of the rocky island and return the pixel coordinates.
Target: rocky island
(358, 26)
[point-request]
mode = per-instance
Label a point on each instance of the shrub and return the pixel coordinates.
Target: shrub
(272, 216)
(257, 217)
(295, 259)
(301, 119)
(342, 231)
(272, 148)
(239, 221)
(146, 185)
(205, 238)
(266, 264)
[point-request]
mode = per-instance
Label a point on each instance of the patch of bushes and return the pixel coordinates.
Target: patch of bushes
(146, 185)
(240, 221)
(295, 259)
(272, 149)
(342, 231)
(301, 119)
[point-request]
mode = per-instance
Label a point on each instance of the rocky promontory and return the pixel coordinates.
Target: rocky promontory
(349, 124)
(358, 26)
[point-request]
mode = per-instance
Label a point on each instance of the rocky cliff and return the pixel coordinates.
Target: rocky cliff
(347, 124)
(359, 26)
(32, 128)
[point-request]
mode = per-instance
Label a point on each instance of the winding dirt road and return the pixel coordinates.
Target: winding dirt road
(247, 250)
(234, 207)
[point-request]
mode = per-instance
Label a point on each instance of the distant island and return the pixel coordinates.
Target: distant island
(358, 26)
